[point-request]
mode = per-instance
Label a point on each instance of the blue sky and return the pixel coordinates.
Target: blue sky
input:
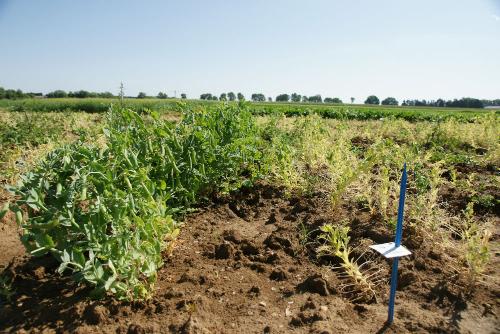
(406, 49)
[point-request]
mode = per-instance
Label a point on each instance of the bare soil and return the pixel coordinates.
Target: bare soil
(247, 264)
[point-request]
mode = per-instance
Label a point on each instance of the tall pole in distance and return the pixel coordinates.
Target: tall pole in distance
(122, 93)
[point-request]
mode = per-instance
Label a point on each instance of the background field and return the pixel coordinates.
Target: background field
(344, 111)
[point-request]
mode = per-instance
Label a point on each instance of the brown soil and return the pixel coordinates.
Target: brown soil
(484, 191)
(11, 247)
(245, 265)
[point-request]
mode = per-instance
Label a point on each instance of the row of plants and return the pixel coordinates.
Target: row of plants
(372, 113)
(89, 105)
(108, 212)
(343, 112)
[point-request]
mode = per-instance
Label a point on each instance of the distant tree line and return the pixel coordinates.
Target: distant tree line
(303, 98)
(208, 96)
(14, 94)
(161, 95)
(465, 102)
(80, 94)
(259, 97)
(490, 103)
(231, 96)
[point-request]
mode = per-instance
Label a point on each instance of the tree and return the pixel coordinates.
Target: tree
(372, 99)
(223, 97)
(141, 95)
(57, 94)
(82, 94)
(231, 96)
(214, 98)
(490, 103)
(283, 98)
(269, 99)
(352, 99)
(183, 96)
(241, 97)
(305, 98)
(465, 102)
(258, 97)
(296, 97)
(390, 101)
(162, 95)
(316, 98)
(206, 96)
(332, 100)
(12, 94)
(106, 95)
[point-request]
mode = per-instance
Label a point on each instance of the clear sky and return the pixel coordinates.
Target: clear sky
(401, 48)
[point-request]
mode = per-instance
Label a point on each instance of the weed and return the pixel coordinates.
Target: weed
(6, 288)
(336, 243)
(486, 201)
(304, 235)
(476, 244)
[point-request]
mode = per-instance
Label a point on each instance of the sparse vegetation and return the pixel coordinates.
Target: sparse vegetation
(476, 246)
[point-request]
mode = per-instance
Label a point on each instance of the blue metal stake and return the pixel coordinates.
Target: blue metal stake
(394, 283)
(397, 243)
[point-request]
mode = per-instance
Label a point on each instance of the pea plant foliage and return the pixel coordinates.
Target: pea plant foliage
(107, 212)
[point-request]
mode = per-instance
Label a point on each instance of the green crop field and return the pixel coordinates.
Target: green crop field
(107, 191)
(341, 111)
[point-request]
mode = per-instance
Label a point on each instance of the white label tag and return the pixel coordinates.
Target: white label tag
(389, 251)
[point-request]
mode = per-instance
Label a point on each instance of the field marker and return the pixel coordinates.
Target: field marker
(394, 250)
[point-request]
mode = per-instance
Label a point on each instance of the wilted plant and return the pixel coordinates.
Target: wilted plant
(336, 243)
(304, 235)
(476, 243)
(312, 140)
(345, 167)
(383, 191)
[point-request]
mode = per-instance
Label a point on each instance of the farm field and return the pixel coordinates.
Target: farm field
(332, 111)
(205, 217)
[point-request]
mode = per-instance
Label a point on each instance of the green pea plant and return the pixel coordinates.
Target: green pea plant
(108, 212)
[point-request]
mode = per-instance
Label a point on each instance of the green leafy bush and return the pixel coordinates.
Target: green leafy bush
(106, 212)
